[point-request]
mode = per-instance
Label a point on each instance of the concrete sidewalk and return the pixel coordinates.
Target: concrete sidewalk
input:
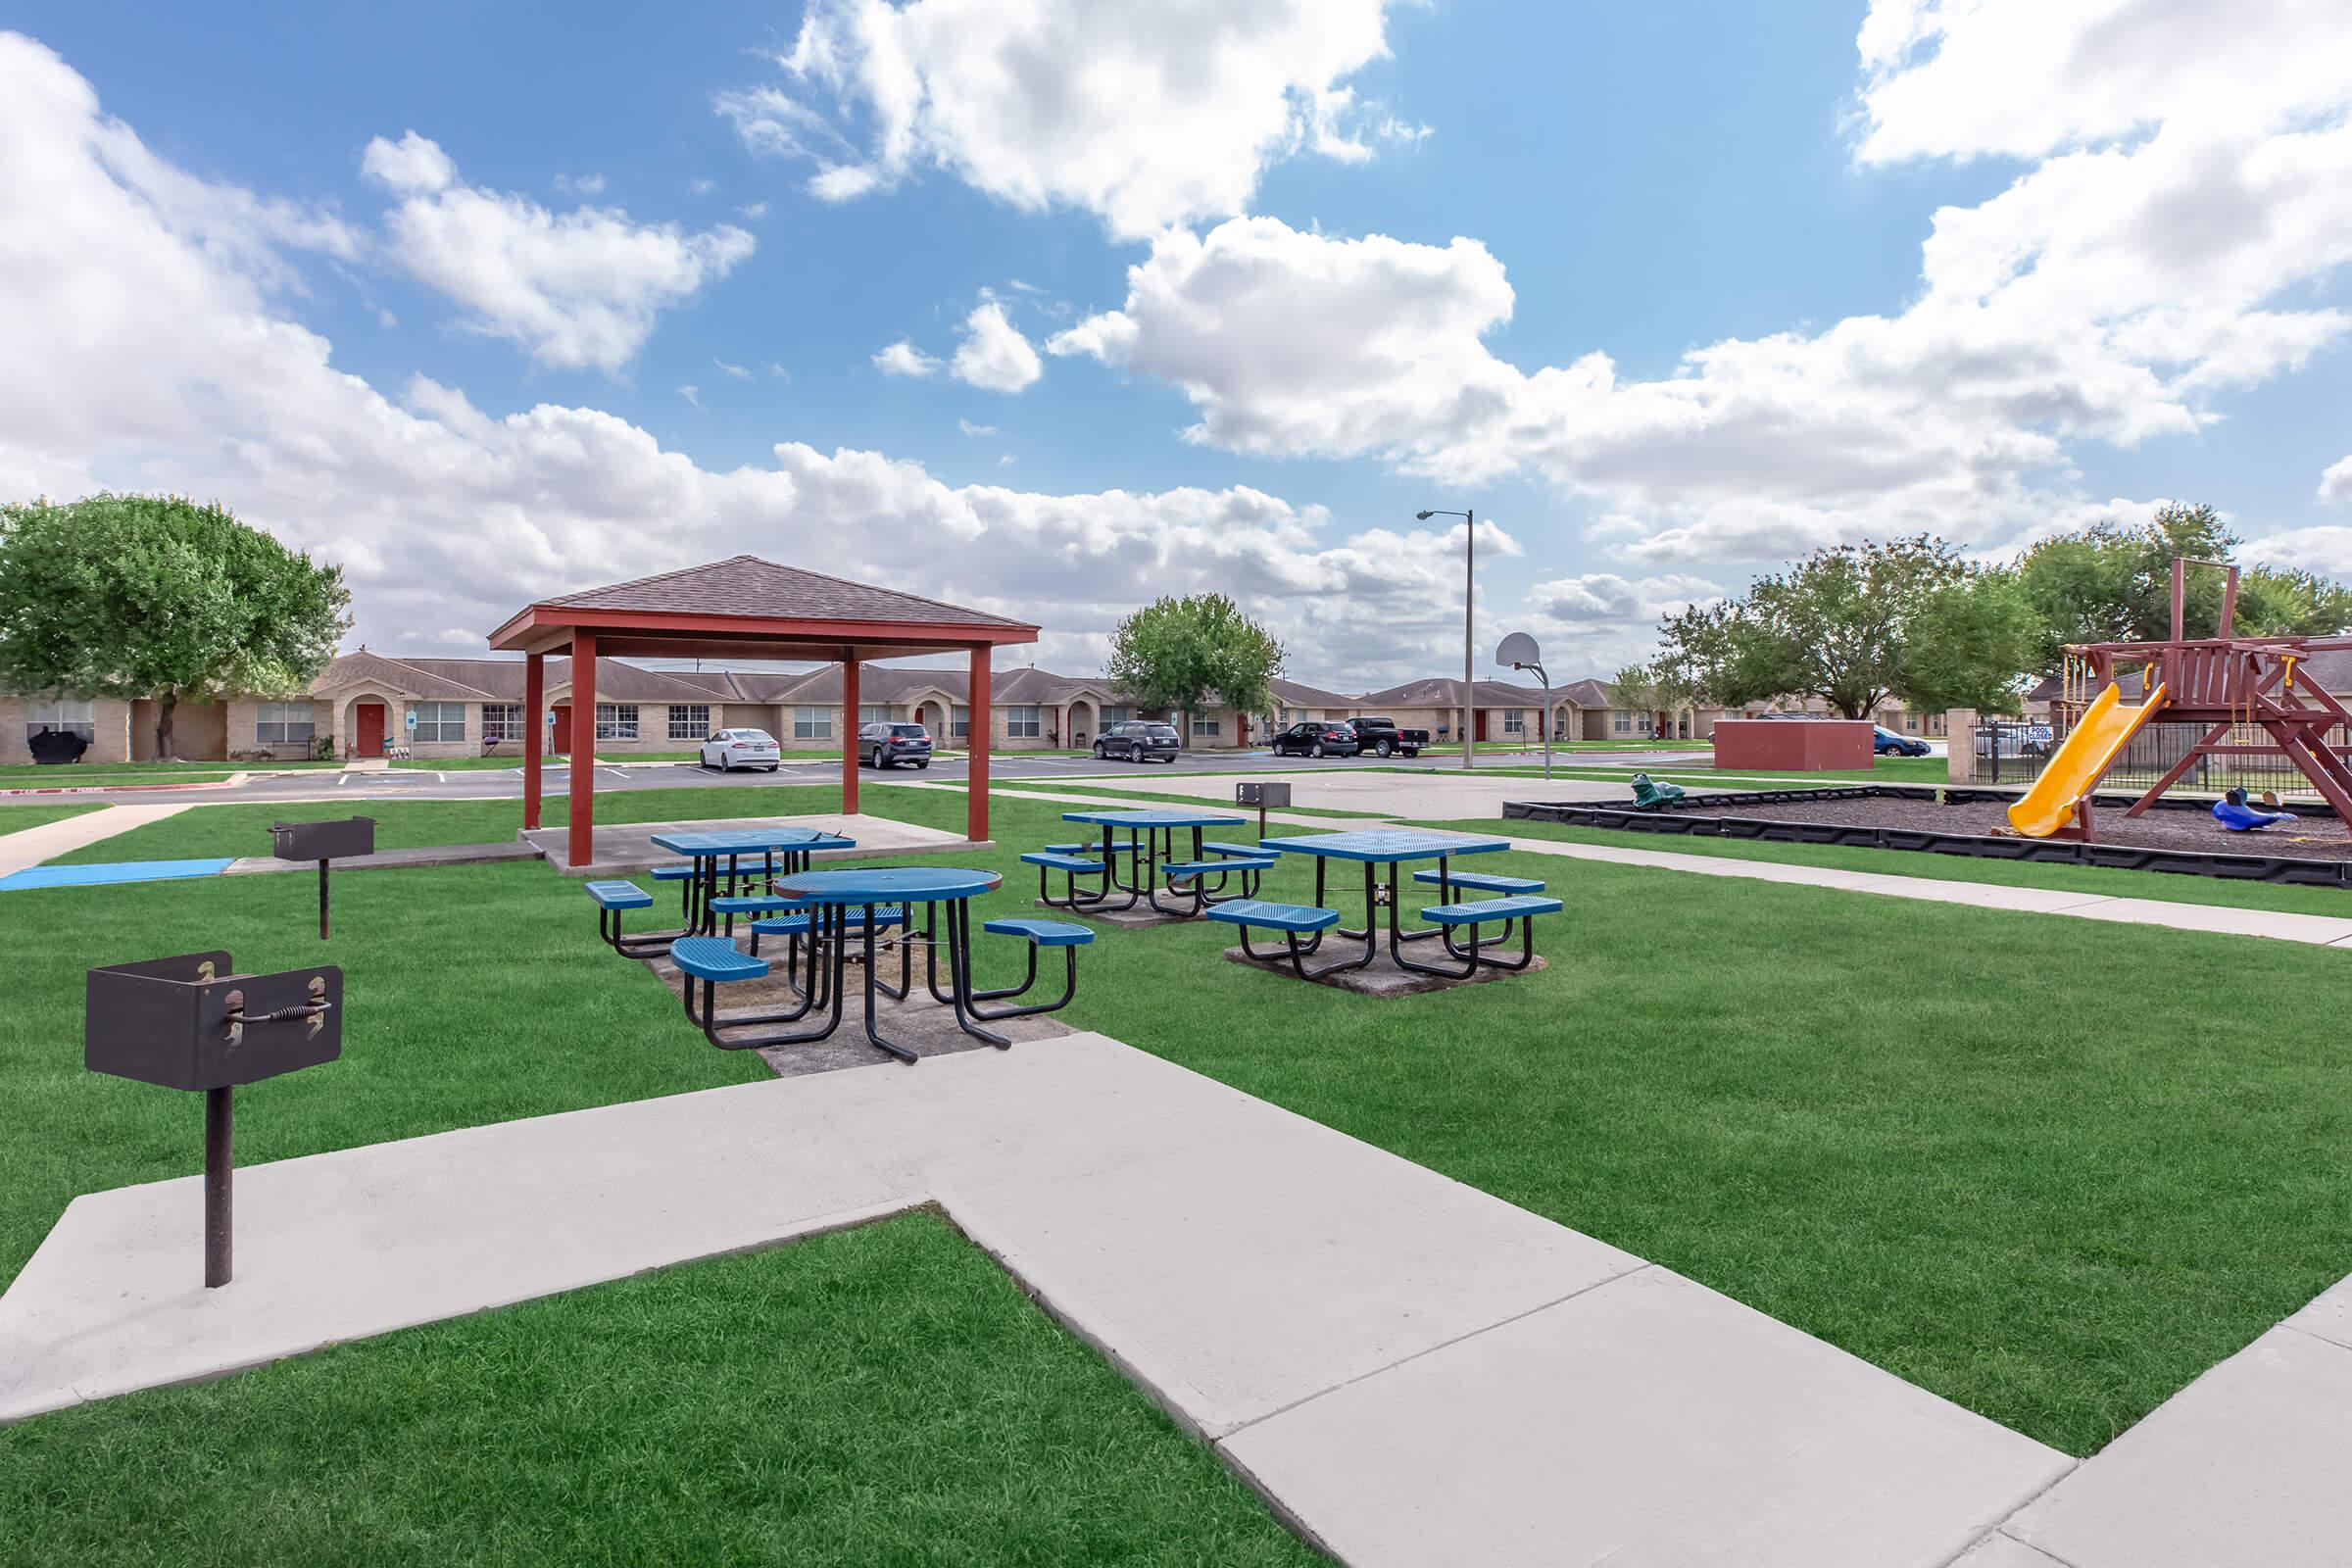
(1410, 1370)
(31, 846)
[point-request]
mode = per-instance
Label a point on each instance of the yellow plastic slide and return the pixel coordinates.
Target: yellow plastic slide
(2105, 726)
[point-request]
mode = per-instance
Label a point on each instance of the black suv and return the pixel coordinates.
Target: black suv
(1143, 740)
(1322, 736)
(889, 745)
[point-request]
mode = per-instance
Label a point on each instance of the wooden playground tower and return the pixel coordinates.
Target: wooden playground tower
(2237, 687)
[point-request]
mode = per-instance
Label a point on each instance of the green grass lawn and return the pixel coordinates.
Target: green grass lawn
(881, 1396)
(2050, 1168)
(17, 819)
(511, 761)
(76, 772)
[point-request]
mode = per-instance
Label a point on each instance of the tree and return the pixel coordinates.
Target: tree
(1174, 652)
(1855, 625)
(1662, 688)
(2112, 583)
(157, 597)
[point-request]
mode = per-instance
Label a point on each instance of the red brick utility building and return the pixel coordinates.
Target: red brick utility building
(748, 609)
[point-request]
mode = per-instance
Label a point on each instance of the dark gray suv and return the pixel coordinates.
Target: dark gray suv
(889, 745)
(1142, 741)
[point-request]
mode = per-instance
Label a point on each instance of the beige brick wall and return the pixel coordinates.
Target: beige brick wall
(243, 742)
(110, 736)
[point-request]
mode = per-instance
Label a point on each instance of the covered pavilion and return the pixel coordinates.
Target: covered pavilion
(744, 609)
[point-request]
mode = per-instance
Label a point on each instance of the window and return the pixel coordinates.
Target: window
(1114, 715)
(874, 713)
(616, 721)
(501, 722)
(1207, 727)
(1515, 721)
(812, 724)
(1622, 722)
(962, 723)
(440, 721)
(283, 723)
(1021, 723)
(61, 715)
(689, 721)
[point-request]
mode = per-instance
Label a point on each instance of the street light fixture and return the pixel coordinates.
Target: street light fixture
(1469, 613)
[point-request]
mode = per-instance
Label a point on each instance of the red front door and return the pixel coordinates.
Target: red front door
(1481, 723)
(368, 731)
(564, 731)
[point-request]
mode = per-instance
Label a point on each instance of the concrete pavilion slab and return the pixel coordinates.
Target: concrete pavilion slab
(1313, 1306)
(628, 847)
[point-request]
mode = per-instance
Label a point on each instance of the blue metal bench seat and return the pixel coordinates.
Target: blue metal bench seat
(1522, 907)
(1298, 918)
(1058, 861)
(612, 896)
(1247, 851)
(1292, 920)
(675, 874)
(1066, 935)
(1072, 867)
(1092, 848)
(1482, 910)
(1043, 933)
(755, 904)
(1479, 881)
(620, 895)
(1179, 870)
(717, 959)
(1198, 885)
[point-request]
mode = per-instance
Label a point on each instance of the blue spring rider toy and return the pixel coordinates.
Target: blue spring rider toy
(2233, 813)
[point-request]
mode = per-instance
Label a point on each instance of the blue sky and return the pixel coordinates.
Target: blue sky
(1636, 182)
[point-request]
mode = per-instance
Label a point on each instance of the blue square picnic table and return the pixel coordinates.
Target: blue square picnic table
(781, 851)
(1374, 848)
(1150, 841)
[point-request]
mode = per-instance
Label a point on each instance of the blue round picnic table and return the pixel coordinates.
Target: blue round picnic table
(883, 895)
(1150, 841)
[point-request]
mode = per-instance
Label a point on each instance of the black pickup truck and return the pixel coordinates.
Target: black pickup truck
(1382, 738)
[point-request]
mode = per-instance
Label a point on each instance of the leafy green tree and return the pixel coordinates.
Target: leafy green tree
(1176, 652)
(1663, 688)
(2112, 583)
(157, 597)
(1853, 626)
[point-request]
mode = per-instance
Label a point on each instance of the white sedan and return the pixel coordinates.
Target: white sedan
(731, 749)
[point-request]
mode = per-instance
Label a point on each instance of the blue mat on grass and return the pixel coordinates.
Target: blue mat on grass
(90, 876)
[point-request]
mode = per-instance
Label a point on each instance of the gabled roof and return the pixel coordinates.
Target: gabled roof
(1298, 694)
(1448, 693)
(1586, 692)
(748, 586)
(431, 678)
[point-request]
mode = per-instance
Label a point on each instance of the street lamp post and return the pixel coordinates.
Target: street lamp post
(1469, 617)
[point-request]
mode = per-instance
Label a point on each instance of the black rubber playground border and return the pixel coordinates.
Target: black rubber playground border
(1631, 818)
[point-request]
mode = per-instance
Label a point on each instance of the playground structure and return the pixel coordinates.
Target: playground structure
(2242, 691)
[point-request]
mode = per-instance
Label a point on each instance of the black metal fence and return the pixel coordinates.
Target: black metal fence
(2013, 752)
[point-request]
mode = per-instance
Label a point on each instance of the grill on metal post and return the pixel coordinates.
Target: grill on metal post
(1263, 793)
(324, 842)
(190, 1023)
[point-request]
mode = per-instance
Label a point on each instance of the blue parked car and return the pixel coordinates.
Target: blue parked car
(1883, 740)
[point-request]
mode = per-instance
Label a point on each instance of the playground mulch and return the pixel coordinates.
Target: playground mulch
(2317, 838)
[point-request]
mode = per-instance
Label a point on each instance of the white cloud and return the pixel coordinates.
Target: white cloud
(411, 164)
(576, 289)
(2335, 484)
(1142, 112)
(579, 185)
(969, 428)
(902, 357)
(692, 394)
(145, 355)
(701, 187)
(752, 211)
(2109, 293)
(1599, 622)
(776, 369)
(993, 355)
(738, 371)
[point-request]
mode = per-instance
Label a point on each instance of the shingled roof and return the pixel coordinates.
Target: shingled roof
(751, 587)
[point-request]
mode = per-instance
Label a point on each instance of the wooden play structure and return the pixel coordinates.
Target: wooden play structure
(2244, 691)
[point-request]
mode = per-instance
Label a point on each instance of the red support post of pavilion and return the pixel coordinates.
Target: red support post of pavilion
(975, 766)
(534, 728)
(582, 804)
(848, 734)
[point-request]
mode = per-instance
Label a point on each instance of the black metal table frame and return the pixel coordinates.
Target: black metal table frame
(1465, 954)
(821, 981)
